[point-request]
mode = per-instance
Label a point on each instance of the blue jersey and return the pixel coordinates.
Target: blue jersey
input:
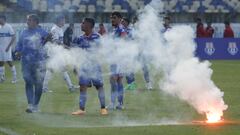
(90, 72)
(165, 29)
(88, 43)
(30, 45)
(119, 31)
(129, 32)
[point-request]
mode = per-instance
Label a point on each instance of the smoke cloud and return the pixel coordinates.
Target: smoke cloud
(170, 53)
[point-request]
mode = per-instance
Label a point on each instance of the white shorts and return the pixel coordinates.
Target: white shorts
(5, 56)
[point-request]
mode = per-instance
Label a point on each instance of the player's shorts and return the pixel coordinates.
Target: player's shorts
(91, 75)
(5, 56)
(115, 70)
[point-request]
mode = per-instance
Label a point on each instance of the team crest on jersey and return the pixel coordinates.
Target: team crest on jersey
(209, 48)
(232, 48)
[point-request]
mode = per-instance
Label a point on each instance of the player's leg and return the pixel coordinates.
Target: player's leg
(120, 93)
(13, 70)
(47, 78)
(98, 83)
(101, 97)
(147, 76)
(84, 82)
(2, 60)
(114, 89)
(114, 86)
(68, 81)
(130, 78)
(8, 59)
(39, 73)
(131, 85)
(2, 72)
(27, 76)
(82, 101)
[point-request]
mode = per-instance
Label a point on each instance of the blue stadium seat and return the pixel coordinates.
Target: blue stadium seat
(175, 5)
(25, 4)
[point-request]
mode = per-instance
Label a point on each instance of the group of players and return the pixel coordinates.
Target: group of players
(32, 51)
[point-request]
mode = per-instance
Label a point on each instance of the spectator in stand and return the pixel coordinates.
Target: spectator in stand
(102, 29)
(228, 32)
(209, 31)
(200, 29)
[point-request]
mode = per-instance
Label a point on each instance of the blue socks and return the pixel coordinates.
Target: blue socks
(82, 99)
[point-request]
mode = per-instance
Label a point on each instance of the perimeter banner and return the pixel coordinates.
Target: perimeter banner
(218, 48)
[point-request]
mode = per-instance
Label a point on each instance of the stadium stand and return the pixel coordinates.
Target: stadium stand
(208, 6)
(181, 11)
(172, 6)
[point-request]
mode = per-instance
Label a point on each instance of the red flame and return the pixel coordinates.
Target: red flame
(213, 117)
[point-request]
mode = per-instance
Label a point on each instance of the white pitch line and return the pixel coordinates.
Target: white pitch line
(8, 131)
(123, 125)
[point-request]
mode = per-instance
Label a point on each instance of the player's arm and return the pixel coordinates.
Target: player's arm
(76, 42)
(19, 47)
(54, 36)
(11, 42)
(13, 37)
(47, 38)
(123, 34)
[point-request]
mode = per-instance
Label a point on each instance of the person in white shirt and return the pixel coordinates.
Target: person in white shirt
(7, 37)
(57, 38)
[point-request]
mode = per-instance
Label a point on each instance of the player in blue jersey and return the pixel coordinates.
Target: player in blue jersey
(166, 24)
(90, 72)
(116, 75)
(131, 85)
(33, 58)
(143, 60)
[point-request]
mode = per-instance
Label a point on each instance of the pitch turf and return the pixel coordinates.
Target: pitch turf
(146, 113)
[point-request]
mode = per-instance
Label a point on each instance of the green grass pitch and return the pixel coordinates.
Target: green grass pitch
(146, 113)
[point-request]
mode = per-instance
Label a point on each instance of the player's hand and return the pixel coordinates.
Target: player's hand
(66, 47)
(48, 38)
(75, 71)
(18, 55)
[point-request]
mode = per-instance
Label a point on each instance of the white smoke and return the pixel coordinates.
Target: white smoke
(122, 52)
(185, 76)
(61, 58)
(171, 53)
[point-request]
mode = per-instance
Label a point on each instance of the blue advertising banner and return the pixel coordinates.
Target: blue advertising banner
(218, 48)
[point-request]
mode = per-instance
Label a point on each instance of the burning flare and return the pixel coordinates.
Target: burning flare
(213, 117)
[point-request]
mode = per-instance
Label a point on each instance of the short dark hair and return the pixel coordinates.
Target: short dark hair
(167, 18)
(227, 22)
(59, 18)
(199, 19)
(3, 17)
(71, 24)
(118, 14)
(90, 20)
(209, 22)
(34, 17)
(126, 19)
